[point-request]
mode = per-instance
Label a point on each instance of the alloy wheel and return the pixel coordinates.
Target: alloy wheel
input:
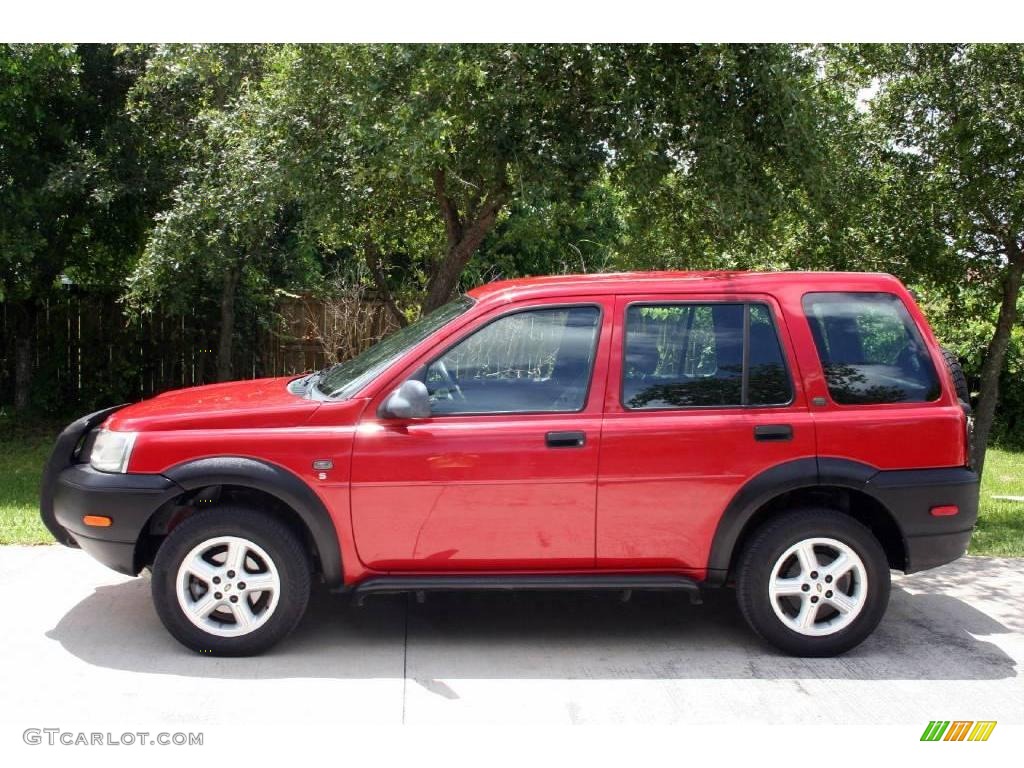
(228, 586)
(818, 586)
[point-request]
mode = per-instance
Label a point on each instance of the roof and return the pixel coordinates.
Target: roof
(642, 282)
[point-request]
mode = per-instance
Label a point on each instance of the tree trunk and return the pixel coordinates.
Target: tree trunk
(373, 263)
(995, 356)
(464, 238)
(22, 372)
(25, 315)
(227, 322)
(446, 277)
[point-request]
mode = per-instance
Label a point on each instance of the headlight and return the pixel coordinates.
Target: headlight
(111, 451)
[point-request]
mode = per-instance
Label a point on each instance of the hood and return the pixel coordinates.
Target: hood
(234, 404)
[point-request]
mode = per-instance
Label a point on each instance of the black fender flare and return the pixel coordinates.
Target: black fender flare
(762, 488)
(275, 481)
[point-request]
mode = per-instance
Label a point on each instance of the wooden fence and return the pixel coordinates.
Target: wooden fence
(87, 351)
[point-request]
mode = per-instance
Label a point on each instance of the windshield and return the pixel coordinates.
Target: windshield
(342, 379)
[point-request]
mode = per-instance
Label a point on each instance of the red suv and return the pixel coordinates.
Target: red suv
(796, 435)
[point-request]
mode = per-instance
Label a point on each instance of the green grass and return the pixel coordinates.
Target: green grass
(24, 448)
(1000, 528)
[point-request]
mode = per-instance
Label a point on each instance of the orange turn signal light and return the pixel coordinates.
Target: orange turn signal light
(97, 521)
(945, 511)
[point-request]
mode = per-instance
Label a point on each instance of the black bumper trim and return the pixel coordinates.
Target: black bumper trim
(910, 495)
(129, 500)
(64, 455)
(924, 552)
(117, 555)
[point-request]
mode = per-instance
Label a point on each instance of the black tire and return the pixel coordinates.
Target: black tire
(770, 542)
(276, 540)
(959, 378)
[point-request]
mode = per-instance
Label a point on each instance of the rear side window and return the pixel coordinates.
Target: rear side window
(702, 355)
(870, 349)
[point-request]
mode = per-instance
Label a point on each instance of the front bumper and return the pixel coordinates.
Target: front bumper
(128, 500)
(72, 489)
(930, 541)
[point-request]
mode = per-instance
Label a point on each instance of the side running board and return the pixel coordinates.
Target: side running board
(386, 585)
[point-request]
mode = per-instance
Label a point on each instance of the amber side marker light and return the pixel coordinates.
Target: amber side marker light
(97, 521)
(946, 511)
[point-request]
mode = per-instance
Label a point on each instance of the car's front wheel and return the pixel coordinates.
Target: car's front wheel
(813, 582)
(231, 582)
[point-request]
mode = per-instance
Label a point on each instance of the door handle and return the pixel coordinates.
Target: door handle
(773, 432)
(565, 439)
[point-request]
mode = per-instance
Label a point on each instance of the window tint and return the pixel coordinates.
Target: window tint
(870, 350)
(527, 362)
(691, 355)
(768, 380)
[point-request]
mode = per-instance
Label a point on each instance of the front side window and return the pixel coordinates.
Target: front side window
(702, 355)
(534, 361)
(870, 349)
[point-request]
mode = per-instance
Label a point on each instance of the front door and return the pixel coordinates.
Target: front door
(503, 473)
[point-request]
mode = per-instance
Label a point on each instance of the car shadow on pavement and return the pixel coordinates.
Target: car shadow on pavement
(542, 636)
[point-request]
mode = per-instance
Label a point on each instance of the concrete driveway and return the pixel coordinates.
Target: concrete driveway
(79, 638)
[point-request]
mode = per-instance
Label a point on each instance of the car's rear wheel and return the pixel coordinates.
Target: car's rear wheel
(231, 582)
(813, 582)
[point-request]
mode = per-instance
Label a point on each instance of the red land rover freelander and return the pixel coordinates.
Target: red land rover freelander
(796, 435)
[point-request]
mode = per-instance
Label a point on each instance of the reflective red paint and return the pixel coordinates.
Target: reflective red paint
(645, 491)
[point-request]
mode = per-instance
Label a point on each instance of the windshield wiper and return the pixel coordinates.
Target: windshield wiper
(305, 385)
(317, 376)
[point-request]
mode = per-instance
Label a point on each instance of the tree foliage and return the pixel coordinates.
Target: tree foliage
(951, 122)
(208, 179)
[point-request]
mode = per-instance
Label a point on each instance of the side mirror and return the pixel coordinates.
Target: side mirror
(409, 401)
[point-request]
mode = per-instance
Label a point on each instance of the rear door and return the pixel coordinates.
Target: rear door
(702, 396)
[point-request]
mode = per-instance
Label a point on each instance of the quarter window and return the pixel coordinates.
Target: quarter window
(702, 355)
(529, 362)
(870, 349)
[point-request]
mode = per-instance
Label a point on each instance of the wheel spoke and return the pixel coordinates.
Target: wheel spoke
(808, 559)
(839, 567)
(202, 570)
(259, 582)
(235, 560)
(244, 616)
(205, 605)
(808, 613)
(787, 587)
(843, 602)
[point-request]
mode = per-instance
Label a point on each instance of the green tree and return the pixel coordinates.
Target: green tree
(226, 233)
(70, 201)
(410, 157)
(953, 117)
(413, 155)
